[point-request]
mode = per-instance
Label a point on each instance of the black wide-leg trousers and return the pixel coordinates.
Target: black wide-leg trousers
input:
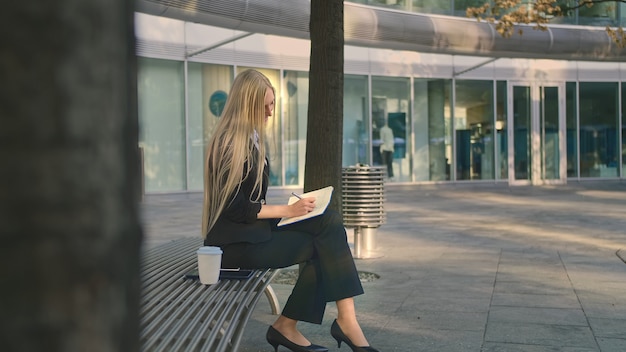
(328, 273)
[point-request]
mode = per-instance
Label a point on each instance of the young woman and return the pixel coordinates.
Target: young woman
(236, 218)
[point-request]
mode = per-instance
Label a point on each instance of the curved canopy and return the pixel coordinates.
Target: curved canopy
(390, 29)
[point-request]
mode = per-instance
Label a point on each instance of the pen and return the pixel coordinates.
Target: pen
(295, 195)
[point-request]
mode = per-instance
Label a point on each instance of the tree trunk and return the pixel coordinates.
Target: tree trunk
(69, 180)
(325, 114)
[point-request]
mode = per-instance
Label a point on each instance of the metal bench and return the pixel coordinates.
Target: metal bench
(184, 315)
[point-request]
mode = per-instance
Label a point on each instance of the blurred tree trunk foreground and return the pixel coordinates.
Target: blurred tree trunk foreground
(69, 177)
(325, 110)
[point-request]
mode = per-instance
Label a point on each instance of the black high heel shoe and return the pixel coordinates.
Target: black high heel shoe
(336, 332)
(275, 338)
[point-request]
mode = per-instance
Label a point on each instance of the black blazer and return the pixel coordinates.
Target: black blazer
(238, 222)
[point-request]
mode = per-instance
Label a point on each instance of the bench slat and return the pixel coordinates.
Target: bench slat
(184, 315)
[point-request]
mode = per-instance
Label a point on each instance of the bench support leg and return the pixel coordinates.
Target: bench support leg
(271, 297)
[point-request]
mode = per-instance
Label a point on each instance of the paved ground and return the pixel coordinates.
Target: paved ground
(471, 268)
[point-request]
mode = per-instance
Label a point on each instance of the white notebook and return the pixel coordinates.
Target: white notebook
(322, 199)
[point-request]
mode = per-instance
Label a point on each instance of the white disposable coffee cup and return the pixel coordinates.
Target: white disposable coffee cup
(209, 263)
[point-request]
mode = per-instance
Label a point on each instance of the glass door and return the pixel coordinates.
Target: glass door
(552, 134)
(536, 135)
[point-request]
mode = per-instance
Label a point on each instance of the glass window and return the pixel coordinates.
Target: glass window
(502, 160)
(394, 4)
(522, 110)
(443, 7)
(473, 121)
(160, 89)
(599, 147)
(356, 122)
(571, 106)
(460, 6)
(390, 108)
(600, 14)
(274, 141)
(208, 87)
(433, 130)
(294, 125)
(567, 17)
(549, 133)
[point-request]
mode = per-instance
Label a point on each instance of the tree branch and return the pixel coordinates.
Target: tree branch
(504, 14)
(587, 3)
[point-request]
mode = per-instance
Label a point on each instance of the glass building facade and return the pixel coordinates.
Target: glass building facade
(519, 121)
(600, 14)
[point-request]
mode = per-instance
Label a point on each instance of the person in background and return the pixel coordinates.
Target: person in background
(386, 149)
(236, 218)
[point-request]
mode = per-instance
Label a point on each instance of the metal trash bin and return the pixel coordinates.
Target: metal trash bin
(363, 199)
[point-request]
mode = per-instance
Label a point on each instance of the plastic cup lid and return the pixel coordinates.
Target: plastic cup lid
(209, 250)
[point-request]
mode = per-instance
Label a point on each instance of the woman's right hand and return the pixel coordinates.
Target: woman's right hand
(302, 207)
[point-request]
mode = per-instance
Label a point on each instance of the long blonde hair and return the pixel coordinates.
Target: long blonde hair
(239, 134)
